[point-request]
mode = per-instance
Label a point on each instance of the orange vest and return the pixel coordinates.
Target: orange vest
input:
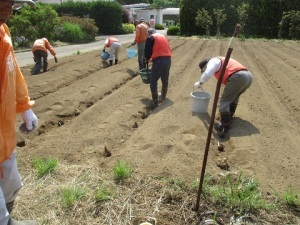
(111, 40)
(13, 94)
(161, 46)
(232, 67)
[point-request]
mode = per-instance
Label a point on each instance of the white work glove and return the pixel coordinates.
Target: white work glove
(30, 119)
(197, 84)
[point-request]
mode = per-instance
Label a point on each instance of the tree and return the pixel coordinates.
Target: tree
(243, 15)
(289, 26)
(204, 20)
(220, 18)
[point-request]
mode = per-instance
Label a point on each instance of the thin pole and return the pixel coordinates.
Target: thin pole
(230, 48)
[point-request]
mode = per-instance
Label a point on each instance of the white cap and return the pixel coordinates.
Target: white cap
(29, 2)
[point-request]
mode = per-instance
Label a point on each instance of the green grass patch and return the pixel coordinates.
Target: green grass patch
(103, 193)
(71, 195)
(292, 198)
(122, 170)
(44, 166)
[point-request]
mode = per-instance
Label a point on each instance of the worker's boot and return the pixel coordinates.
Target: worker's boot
(116, 61)
(110, 62)
(232, 109)
(10, 206)
(223, 127)
(37, 68)
(23, 222)
(154, 99)
(163, 95)
(45, 66)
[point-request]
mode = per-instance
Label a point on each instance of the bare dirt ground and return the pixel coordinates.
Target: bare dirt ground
(83, 105)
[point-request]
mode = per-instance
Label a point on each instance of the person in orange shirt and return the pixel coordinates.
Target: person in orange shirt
(39, 50)
(237, 79)
(141, 34)
(13, 99)
(115, 46)
(158, 49)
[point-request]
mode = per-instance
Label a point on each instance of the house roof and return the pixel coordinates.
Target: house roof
(171, 11)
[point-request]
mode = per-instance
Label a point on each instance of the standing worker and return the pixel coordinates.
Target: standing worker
(39, 50)
(141, 35)
(115, 46)
(158, 49)
(237, 79)
(152, 22)
(13, 99)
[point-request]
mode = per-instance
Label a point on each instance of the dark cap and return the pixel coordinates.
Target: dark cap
(142, 19)
(203, 63)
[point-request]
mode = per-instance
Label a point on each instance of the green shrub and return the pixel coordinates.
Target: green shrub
(128, 28)
(27, 25)
(87, 26)
(70, 32)
(159, 27)
(173, 30)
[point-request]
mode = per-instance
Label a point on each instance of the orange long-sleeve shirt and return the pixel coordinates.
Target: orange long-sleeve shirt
(13, 94)
(141, 32)
(44, 45)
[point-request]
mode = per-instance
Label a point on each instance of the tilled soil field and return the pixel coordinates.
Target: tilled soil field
(83, 105)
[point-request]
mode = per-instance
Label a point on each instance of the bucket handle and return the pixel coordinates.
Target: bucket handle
(199, 87)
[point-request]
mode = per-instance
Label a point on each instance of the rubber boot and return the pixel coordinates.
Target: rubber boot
(225, 124)
(232, 109)
(154, 100)
(45, 66)
(164, 92)
(110, 62)
(116, 61)
(23, 222)
(37, 68)
(10, 206)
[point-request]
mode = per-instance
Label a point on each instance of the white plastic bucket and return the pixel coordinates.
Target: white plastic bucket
(200, 101)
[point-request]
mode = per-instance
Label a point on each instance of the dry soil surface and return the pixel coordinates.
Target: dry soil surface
(83, 105)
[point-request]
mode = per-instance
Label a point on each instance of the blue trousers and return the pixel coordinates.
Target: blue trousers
(160, 69)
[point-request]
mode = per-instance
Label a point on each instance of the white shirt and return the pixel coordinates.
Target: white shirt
(213, 65)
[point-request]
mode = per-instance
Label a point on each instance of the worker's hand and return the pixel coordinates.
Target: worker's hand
(55, 59)
(197, 84)
(103, 50)
(30, 119)
(133, 43)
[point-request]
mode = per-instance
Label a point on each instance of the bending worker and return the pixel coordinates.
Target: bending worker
(237, 79)
(141, 35)
(39, 50)
(115, 46)
(13, 99)
(158, 49)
